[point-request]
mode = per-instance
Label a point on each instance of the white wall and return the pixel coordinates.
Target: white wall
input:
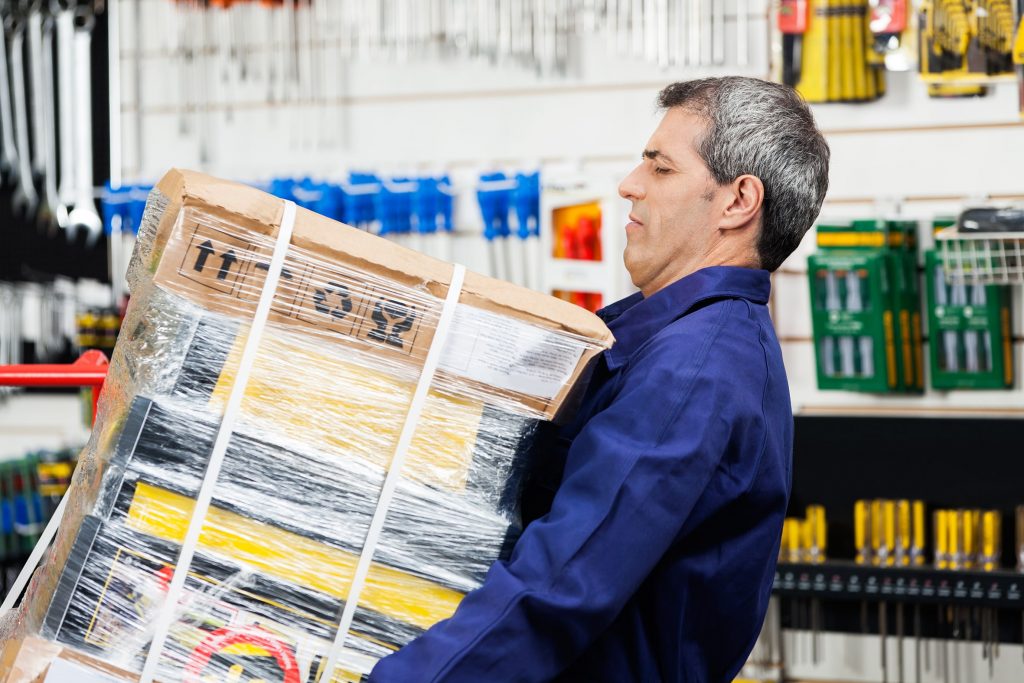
(30, 422)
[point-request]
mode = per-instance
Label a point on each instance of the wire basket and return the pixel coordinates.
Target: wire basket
(986, 258)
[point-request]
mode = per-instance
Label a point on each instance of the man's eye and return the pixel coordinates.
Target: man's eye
(661, 170)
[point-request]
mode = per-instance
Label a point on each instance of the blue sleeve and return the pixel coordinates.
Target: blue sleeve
(633, 475)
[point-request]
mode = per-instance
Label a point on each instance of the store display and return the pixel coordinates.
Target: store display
(827, 48)
(321, 490)
(889, 533)
(805, 539)
(866, 307)
(30, 489)
(964, 45)
(969, 323)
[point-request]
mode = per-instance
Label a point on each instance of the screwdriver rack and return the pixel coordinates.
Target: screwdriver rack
(948, 463)
(837, 580)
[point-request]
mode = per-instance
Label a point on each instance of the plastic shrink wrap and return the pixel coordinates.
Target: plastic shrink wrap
(359, 439)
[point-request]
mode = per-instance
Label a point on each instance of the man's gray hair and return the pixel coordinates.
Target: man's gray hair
(763, 129)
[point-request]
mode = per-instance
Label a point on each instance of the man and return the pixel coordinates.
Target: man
(655, 560)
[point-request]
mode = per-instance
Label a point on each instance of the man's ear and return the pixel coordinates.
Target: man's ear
(745, 198)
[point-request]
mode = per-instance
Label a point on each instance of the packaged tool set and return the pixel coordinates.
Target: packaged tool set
(309, 449)
(969, 327)
(964, 46)
(834, 50)
(866, 307)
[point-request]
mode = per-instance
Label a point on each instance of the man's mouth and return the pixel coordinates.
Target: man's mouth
(634, 222)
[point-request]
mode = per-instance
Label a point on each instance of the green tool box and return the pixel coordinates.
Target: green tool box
(969, 328)
(866, 307)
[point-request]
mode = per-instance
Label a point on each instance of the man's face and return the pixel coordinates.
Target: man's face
(676, 205)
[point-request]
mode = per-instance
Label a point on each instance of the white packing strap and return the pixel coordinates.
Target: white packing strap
(220, 445)
(34, 559)
(387, 492)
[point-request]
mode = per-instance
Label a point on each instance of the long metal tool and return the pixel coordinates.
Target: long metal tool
(8, 149)
(49, 211)
(65, 22)
(25, 197)
(84, 216)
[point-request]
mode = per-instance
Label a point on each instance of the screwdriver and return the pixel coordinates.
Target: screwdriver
(889, 517)
(988, 560)
(877, 553)
(862, 543)
(941, 539)
(818, 533)
(949, 337)
(861, 532)
(917, 557)
(903, 533)
(982, 355)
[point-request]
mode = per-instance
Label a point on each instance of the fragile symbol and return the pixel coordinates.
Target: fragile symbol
(393, 319)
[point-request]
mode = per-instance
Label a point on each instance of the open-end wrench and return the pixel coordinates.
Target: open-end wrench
(9, 149)
(49, 218)
(65, 21)
(25, 198)
(84, 215)
(34, 31)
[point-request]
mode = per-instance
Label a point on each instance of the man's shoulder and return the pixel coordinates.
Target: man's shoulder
(724, 331)
(711, 318)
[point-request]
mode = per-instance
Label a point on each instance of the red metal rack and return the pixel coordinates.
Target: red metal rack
(90, 370)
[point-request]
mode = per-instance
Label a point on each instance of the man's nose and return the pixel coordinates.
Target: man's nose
(631, 188)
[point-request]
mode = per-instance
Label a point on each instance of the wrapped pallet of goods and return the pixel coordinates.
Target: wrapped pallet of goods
(309, 449)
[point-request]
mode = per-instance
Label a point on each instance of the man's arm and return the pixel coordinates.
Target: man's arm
(634, 474)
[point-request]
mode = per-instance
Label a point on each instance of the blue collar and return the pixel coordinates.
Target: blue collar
(634, 320)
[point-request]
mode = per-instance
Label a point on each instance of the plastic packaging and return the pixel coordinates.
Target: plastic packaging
(321, 420)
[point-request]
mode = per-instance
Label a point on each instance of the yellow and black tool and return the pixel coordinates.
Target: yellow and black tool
(995, 24)
(991, 548)
(818, 546)
(889, 530)
(917, 557)
(862, 532)
(942, 537)
(904, 533)
(828, 56)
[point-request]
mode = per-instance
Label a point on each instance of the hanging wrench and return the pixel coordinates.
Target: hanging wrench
(34, 30)
(65, 21)
(25, 197)
(49, 217)
(84, 215)
(9, 149)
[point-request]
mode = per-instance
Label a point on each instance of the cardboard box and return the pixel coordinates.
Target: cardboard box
(350, 326)
(341, 280)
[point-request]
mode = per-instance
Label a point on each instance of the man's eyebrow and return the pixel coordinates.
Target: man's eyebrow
(654, 155)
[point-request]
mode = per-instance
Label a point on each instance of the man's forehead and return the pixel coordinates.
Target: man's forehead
(676, 136)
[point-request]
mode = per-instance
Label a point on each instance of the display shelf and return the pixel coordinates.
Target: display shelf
(837, 580)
